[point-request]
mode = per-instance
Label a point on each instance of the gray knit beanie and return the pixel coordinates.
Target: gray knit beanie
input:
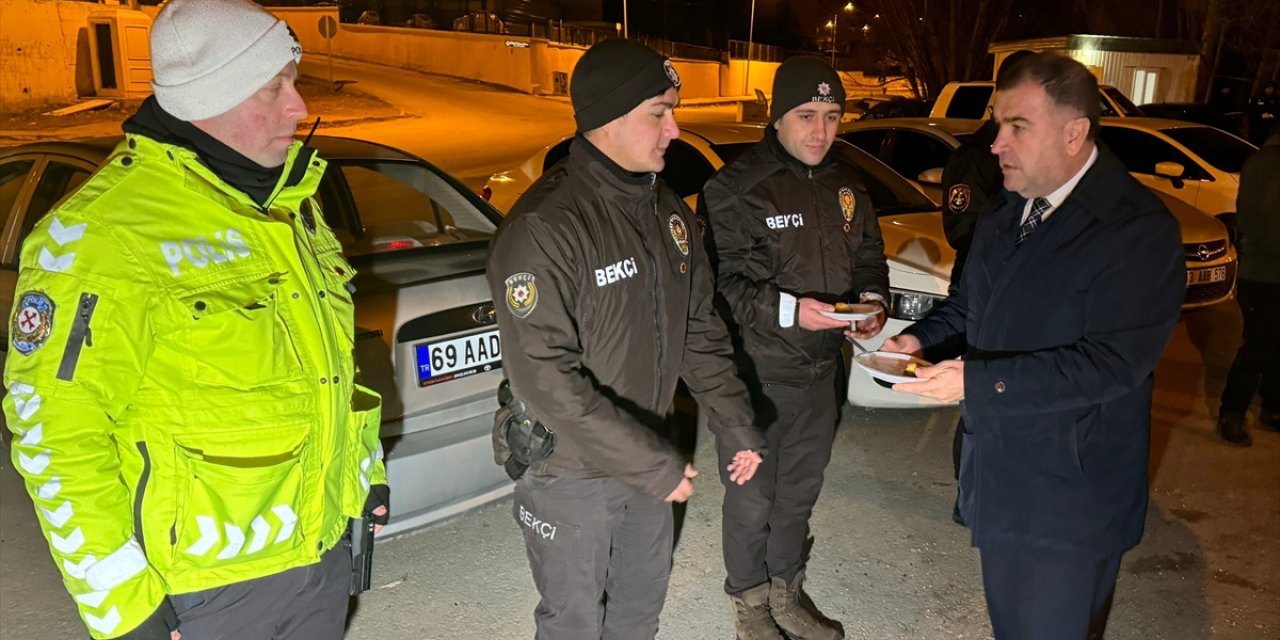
(207, 56)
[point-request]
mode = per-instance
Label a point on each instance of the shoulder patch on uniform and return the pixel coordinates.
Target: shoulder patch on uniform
(958, 197)
(679, 233)
(847, 202)
(522, 294)
(32, 322)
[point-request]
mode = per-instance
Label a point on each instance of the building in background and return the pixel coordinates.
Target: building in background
(1145, 69)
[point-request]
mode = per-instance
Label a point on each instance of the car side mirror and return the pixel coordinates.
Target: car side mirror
(931, 176)
(1171, 170)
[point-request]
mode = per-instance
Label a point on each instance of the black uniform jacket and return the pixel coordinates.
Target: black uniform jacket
(604, 299)
(1063, 333)
(971, 184)
(779, 225)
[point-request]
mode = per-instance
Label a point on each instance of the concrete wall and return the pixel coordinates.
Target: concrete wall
(528, 65)
(734, 74)
(44, 53)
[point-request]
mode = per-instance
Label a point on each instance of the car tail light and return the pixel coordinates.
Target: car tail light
(486, 193)
(397, 245)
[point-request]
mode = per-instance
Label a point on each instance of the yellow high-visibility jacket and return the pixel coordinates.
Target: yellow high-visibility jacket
(180, 383)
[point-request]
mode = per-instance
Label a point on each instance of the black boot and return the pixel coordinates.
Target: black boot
(956, 516)
(1231, 430)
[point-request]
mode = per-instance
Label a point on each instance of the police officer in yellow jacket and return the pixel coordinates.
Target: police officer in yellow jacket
(181, 383)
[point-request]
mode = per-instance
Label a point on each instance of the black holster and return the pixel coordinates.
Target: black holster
(519, 439)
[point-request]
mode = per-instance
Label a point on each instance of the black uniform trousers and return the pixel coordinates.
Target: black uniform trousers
(1035, 594)
(600, 552)
(1257, 363)
(766, 521)
(304, 603)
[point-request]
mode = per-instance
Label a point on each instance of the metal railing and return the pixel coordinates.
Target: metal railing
(739, 50)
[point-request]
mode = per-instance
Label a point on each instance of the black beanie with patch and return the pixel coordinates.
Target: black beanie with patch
(802, 80)
(615, 76)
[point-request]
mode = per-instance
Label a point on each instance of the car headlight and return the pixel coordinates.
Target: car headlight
(911, 305)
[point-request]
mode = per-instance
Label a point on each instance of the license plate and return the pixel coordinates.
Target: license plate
(1205, 276)
(458, 357)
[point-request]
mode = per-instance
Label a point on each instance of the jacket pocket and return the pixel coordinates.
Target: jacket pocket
(365, 448)
(252, 343)
(240, 497)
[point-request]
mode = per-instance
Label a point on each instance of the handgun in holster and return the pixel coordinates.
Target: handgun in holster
(361, 553)
(519, 439)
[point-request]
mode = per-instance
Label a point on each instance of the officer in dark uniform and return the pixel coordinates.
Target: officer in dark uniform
(794, 233)
(971, 183)
(605, 302)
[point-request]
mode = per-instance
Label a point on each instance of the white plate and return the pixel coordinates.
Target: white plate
(889, 367)
(845, 317)
(857, 312)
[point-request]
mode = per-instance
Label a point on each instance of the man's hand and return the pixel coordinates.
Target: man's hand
(744, 466)
(903, 343)
(377, 504)
(867, 327)
(811, 318)
(685, 489)
(943, 382)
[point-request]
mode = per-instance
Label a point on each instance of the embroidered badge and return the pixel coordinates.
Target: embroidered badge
(32, 322)
(958, 198)
(679, 233)
(308, 216)
(847, 202)
(824, 93)
(522, 294)
(671, 73)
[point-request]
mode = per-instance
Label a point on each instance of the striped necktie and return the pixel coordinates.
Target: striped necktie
(1038, 207)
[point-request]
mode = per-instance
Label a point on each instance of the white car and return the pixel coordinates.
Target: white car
(1195, 163)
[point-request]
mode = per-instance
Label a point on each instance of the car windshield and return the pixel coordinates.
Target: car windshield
(396, 205)
(1217, 147)
(891, 194)
(1123, 103)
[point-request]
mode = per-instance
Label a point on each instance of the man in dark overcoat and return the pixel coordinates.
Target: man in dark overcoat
(1071, 291)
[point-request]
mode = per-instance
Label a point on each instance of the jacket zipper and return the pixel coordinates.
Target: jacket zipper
(822, 256)
(137, 500)
(657, 296)
(80, 337)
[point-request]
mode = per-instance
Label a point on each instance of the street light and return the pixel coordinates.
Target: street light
(751, 32)
(834, 25)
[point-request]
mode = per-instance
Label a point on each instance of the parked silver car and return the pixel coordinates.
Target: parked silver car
(425, 333)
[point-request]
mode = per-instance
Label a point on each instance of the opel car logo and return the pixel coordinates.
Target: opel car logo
(1203, 252)
(484, 314)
